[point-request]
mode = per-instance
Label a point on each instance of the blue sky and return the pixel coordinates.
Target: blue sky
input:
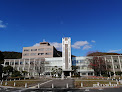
(93, 25)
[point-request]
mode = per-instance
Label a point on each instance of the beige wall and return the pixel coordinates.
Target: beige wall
(46, 50)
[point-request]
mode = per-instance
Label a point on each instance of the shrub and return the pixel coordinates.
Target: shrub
(16, 73)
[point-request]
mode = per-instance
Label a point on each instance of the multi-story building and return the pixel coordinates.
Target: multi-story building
(45, 50)
(40, 60)
(113, 63)
(83, 65)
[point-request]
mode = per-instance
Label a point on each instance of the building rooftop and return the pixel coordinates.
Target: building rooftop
(44, 44)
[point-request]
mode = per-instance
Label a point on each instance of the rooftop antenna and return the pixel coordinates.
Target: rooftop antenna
(44, 40)
(63, 35)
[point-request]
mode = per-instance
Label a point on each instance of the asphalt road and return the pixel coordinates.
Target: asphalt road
(58, 83)
(62, 90)
(9, 89)
(76, 90)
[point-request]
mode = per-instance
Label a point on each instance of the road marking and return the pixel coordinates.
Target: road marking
(46, 82)
(34, 86)
(86, 89)
(41, 84)
(101, 89)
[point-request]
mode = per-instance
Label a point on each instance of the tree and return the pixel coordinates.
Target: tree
(99, 65)
(24, 73)
(1, 71)
(56, 71)
(8, 69)
(1, 58)
(12, 55)
(97, 53)
(118, 73)
(59, 71)
(74, 68)
(16, 73)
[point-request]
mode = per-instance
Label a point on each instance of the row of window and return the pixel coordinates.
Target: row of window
(26, 68)
(40, 49)
(115, 66)
(34, 54)
(22, 63)
(79, 62)
(115, 60)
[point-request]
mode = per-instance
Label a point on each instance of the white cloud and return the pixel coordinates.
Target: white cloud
(37, 44)
(57, 45)
(114, 50)
(2, 25)
(78, 44)
(86, 47)
(93, 41)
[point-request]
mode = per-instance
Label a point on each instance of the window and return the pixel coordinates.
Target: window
(47, 53)
(108, 60)
(90, 73)
(109, 66)
(48, 49)
(26, 49)
(85, 68)
(32, 62)
(40, 53)
(33, 54)
(12, 63)
(41, 49)
(31, 68)
(26, 54)
(33, 49)
(16, 63)
(21, 63)
(83, 73)
(7, 63)
(116, 66)
(26, 62)
(121, 60)
(115, 60)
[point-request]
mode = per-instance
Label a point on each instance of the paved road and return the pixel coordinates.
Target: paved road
(61, 90)
(68, 90)
(8, 89)
(59, 83)
(77, 90)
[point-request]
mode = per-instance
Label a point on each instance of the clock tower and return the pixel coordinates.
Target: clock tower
(66, 56)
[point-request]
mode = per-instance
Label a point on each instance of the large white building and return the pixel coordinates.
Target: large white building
(37, 62)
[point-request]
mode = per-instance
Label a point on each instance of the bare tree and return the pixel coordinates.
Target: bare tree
(99, 65)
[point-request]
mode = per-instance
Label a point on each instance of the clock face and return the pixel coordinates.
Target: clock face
(66, 42)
